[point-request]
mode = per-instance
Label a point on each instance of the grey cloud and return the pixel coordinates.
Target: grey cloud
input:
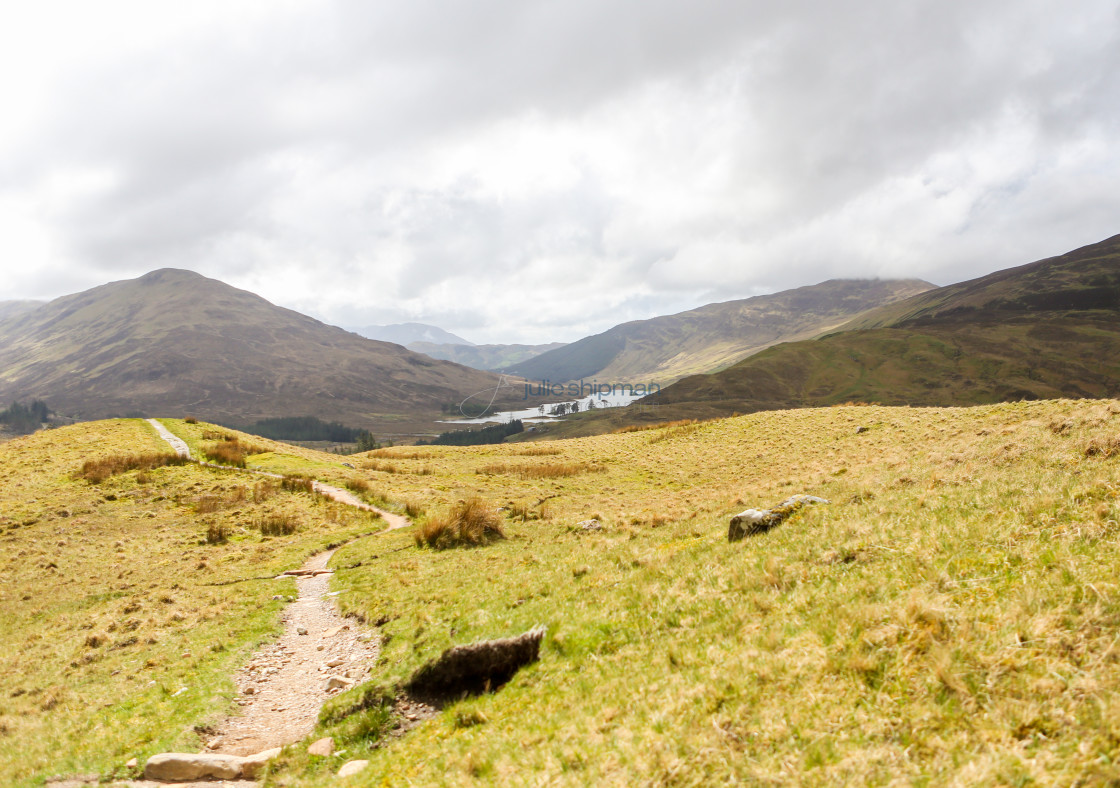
(715, 149)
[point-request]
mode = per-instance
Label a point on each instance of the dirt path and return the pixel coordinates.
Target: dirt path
(319, 654)
(281, 690)
(177, 443)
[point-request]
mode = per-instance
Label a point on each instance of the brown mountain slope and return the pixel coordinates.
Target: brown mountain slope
(663, 349)
(1047, 329)
(175, 342)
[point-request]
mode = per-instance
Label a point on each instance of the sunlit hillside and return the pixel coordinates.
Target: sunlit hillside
(949, 617)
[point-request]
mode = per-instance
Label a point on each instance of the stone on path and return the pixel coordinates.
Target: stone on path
(252, 765)
(171, 766)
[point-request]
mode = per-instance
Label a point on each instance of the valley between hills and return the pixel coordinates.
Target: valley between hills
(946, 613)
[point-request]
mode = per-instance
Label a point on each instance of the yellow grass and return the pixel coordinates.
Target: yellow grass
(950, 618)
(116, 635)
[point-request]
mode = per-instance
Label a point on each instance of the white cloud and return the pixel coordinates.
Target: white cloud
(527, 171)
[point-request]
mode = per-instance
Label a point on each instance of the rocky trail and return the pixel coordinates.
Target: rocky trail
(282, 688)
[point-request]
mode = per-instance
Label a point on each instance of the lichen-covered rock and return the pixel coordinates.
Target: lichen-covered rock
(756, 521)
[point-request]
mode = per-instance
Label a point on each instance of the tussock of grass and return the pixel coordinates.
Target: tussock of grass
(1105, 448)
(226, 453)
(399, 454)
(99, 469)
(553, 470)
(358, 485)
(298, 484)
(538, 451)
(278, 525)
(470, 523)
(383, 467)
(660, 425)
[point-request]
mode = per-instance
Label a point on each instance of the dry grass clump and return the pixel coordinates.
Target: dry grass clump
(399, 454)
(263, 490)
(1104, 448)
(470, 523)
(553, 470)
(228, 448)
(538, 451)
(278, 525)
(298, 484)
(676, 429)
(412, 510)
(358, 485)
(190, 420)
(98, 470)
(217, 533)
(228, 452)
(658, 426)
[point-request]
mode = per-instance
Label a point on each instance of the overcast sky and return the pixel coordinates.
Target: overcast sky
(528, 171)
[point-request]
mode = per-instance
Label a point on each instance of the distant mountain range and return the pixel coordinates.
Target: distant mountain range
(408, 333)
(174, 342)
(489, 357)
(663, 349)
(1046, 329)
(435, 342)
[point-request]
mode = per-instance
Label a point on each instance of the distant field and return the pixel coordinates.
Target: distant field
(950, 617)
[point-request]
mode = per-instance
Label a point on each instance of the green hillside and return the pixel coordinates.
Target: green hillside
(949, 617)
(1043, 330)
(663, 349)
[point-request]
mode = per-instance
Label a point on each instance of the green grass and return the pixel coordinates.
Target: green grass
(116, 637)
(950, 617)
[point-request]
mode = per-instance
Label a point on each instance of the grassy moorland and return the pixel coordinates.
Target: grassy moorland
(117, 637)
(950, 618)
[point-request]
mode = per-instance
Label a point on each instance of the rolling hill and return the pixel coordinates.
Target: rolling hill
(669, 347)
(175, 342)
(1042, 330)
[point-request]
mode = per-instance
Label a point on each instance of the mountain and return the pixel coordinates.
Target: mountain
(1042, 330)
(407, 333)
(490, 357)
(10, 309)
(666, 348)
(174, 342)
